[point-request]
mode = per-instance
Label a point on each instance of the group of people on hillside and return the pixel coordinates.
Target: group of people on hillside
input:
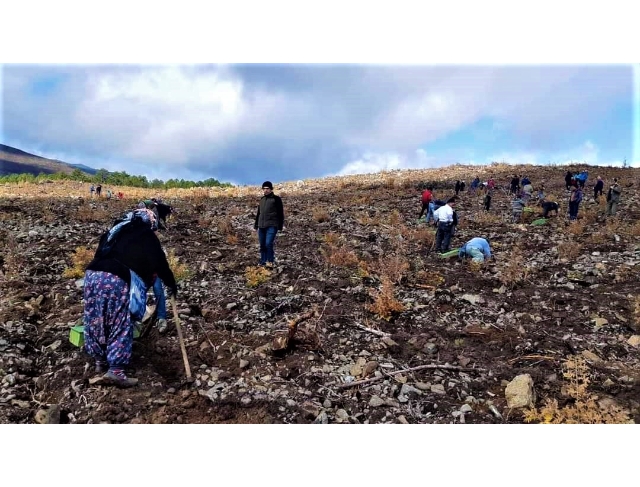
(109, 194)
(129, 261)
(445, 218)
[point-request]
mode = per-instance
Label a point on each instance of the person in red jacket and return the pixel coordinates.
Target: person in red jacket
(427, 196)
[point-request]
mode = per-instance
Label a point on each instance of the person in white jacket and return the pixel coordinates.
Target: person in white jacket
(444, 218)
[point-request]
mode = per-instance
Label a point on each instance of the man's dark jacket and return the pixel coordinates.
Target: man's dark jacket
(270, 212)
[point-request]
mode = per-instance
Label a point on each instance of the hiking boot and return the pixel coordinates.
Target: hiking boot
(162, 325)
(119, 379)
(101, 367)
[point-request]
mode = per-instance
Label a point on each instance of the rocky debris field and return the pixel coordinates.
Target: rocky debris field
(388, 331)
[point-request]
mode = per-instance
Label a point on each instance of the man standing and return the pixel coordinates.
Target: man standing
(515, 184)
(98, 190)
(444, 217)
(269, 220)
(574, 202)
(597, 189)
(613, 197)
(477, 248)
(567, 179)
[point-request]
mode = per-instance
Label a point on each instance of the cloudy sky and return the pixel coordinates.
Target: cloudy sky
(248, 123)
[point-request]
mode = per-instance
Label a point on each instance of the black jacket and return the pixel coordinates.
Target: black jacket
(137, 248)
(270, 212)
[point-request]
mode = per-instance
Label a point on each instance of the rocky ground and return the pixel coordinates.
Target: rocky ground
(356, 261)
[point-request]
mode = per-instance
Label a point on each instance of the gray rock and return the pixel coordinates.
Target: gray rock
(430, 349)
(466, 408)
(438, 389)
(342, 416)
(520, 393)
(322, 418)
(48, 415)
(376, 401)
(473, 298)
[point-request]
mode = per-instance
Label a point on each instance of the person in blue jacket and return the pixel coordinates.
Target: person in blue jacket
(477, 248)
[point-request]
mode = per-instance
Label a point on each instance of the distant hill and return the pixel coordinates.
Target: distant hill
(16, 161)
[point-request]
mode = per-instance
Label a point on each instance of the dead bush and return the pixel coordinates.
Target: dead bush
(569, 249)
(585, 409)
(366, 221)
(422, 235)
(597, 238)
(13, 256)
(256, 275)
(180, 270)
(320, 215)
(393, 267)
(331, 238)
(514, 270)
(576, 227)
(394, 218)
(339, 256)
(225, 226)
(80, 259)
(385, 305)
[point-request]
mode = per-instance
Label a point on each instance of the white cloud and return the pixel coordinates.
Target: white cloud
(373, 162)
(201, 119)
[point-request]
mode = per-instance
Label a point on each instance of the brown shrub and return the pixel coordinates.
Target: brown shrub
(584, 409)
(320, 215)
(80, 259)
(385, 305)
(339, 256)
(392, 267)
(569, 249)
(577, 227)
(513, 270)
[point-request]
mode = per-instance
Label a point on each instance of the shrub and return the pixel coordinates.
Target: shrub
(584, 409)
(180, 270)
(80, 259)
(256, 275)
(385, 305)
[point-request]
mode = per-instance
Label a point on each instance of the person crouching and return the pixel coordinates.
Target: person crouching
(108, 325)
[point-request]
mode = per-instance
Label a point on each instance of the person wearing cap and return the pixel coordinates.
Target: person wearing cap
(269, 220)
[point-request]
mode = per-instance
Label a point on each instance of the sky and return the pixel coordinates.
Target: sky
(245, 123)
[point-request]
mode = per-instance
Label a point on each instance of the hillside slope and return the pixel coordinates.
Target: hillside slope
(16, 161)
(455, 335)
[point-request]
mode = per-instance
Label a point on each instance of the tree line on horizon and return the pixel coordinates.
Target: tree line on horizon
(116, 178)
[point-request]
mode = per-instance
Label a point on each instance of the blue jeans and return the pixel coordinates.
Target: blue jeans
(267, 237)
(161, 300)
(430, 213)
